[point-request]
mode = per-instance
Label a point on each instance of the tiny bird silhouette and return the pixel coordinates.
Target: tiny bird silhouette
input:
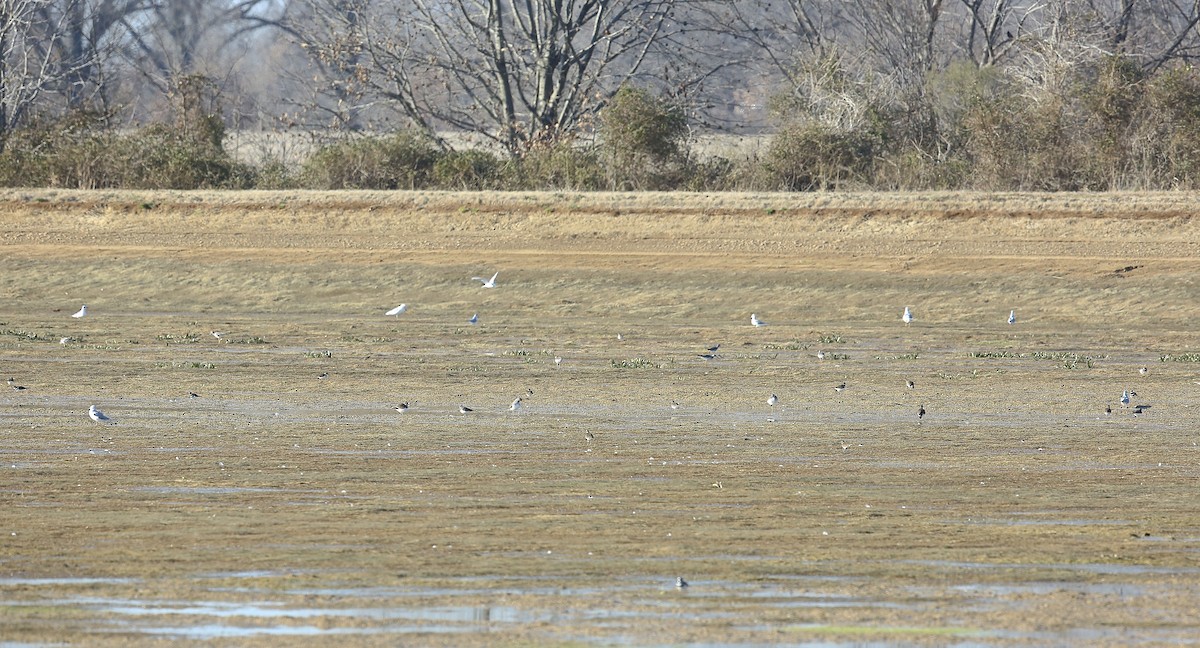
(921, 413)
(12, 382)
(516, 405)
(840, 387)
(680, 583)
(1143, 371)
(487, 283)
(911, 384)
(1108, 410)
(907, 316)
(463, 409)
(402, 408)
(713, 348)
(772, 400)
(82, 312)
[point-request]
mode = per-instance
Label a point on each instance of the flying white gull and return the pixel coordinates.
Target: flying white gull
(397, 310)
(907, 316)
(488, 283)
(97, 415)
(755, 321)
(81, 313)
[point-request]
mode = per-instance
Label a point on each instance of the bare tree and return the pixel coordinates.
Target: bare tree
(31, 66)
(517, 72)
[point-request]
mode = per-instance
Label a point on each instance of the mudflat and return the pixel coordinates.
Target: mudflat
(259, 487)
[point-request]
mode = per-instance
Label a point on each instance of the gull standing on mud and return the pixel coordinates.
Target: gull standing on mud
(516, 405)
(474, 319)
(755, 321)
(402, 408)
(1012, 317)
(397, 310)
(463, 409)
(96, 415)
(82, 312)
(907, 316)
(1125, 397)
(772, 400)
(488, 283)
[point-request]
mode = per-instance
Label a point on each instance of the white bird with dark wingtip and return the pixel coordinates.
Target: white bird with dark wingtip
(755, 321)
(82, 312)
(772, 400)
(474, 319)
(96, 415)
(1012, 317)
(516, 405)
(1125, 397)
(907, 316)
(402, 408)
(397, 310)
(487, 283)
(463, 409)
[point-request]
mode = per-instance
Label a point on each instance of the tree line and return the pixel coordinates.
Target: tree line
(604, 94)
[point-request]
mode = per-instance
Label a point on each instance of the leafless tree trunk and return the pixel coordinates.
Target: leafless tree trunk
(518, 72)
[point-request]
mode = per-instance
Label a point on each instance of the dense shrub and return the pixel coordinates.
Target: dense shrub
(402, 161)
(470, 169)
(559, 165)
(643, 141)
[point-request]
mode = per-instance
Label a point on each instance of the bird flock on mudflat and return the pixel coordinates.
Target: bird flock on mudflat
(711, 352)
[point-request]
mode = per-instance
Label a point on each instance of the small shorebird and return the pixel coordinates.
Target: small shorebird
(516, 405)
(907, 316)
(921, 413)
(323, 376)
(218, 334)
(82, 312)
(1108, 410)
(713, 349)
(12, 382)
(557, 360)
(772, 400)
(821, 354)
(397, 310)
(674, 405)
(755, 321)
(463, 409)
(1125, 397)
(680, 583)
(589, 436)
(97, 415)
(402, 408)
(1012, 317)
(840, 387)
(487, 283)
(64, 340)
(474, 319)
(911, 385)
(1143, 371)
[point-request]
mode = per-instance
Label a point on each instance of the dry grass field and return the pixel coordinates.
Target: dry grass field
(277, 507)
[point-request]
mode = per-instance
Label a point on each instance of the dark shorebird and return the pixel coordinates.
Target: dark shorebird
(921, 413)
(1108, 410)
(911, 384)
(463, 409)
(713, 349)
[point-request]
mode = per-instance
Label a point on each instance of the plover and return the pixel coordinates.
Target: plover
(755, 321)
(713, 348)
(516, 405)
(772, 400)
(674, 405)
(323, 376)
(680, 583)
(1012, 317)
(910, 384)
(82, 312)
(557, 360)
(1143, 371)
(821, 355)
(97, 415)
(589, 436)
(218, 334)
(64, 340)
(12, 382)
(487, 283)
(402, 408)
(397, 310)
(463, 409)
(907, 316)
(840, 387)
(921, 413)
